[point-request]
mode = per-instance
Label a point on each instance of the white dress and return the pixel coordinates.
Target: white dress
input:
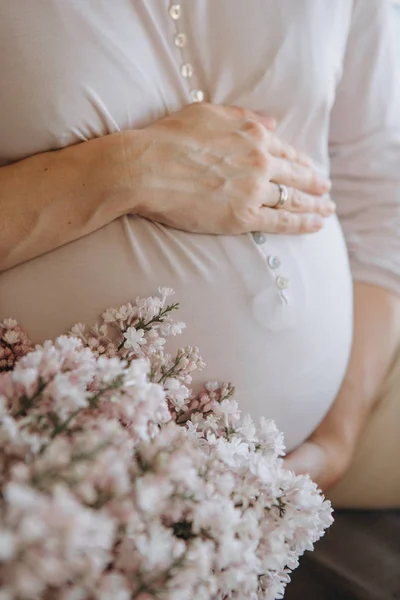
(271, 313)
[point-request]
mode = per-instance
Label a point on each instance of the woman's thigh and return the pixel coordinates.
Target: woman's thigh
(373, 480)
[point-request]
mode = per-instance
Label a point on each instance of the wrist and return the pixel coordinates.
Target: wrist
(116, 166)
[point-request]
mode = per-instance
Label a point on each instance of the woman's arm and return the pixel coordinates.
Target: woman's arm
(206, 169)
(53, 198)
(365, 146)
(328, 453)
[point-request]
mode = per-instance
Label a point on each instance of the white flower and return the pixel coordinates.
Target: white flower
(247, 428)
(109, 368)
(212, 386)
(11, 336)
(78, 330)
(159, 547)
(3, 406)
(22, 496)
(67, 344)
(154, 340)
(152, 491)
(9, 323)
(8, 545)
(27, 378)
(125, 312)
(134, 338)
(193, 432)
(137, 371)
(171, 328)
(166, 291)
(113, 585)
(110, 315)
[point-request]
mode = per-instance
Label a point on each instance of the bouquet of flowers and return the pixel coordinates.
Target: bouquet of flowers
(116, 481)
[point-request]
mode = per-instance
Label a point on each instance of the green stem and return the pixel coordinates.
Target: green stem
(93, 402)
(29, 402)
(171, 371)
(142, 324)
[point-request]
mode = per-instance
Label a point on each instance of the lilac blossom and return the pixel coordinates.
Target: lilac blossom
(118, 482)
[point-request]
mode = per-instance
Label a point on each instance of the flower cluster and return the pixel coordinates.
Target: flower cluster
(14, 343)
(117, 482)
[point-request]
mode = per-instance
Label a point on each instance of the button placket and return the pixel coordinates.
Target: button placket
(180, 40)
(274, 262)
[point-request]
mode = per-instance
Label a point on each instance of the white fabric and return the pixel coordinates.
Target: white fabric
(72, 70)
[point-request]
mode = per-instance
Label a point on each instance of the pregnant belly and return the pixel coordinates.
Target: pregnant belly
(286, 350)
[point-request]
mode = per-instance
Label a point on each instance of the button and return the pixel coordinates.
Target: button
(259, 237)
(196, 95)
(274, 262)
(180, 40)
(175, 11)
(282, 283)
(187, 70)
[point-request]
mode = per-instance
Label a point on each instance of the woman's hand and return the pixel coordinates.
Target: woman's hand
(325, 456)
(215, 169)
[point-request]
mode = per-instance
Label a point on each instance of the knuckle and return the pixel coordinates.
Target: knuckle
(295, 173)
(304, 224)
(260, 158)
(313, 179)
(245, 216)
(201, 107)
(296, 199)
(285, 222)
(255, 130)
(239, 112)
(175, 123)
(254, 188)
(289, 153)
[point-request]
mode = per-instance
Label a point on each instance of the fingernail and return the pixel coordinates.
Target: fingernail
(271, 123)
(332, 206)
(317, 222)
(325, 184)
(306, 160)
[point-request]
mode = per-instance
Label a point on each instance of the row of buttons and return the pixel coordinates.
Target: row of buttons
(274, 262)
(196, 95)
(180, 41)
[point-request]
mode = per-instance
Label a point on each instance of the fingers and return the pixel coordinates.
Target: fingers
(271, 220)
(281, 149)
(266, 141)
(307, 459)
(259, 128)
(299, 202)
(238, 112)
(300, 177)
(273, 144)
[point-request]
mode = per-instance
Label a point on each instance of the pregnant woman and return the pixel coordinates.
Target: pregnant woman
(149, 143)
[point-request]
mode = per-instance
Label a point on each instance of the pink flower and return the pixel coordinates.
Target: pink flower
(117, 481)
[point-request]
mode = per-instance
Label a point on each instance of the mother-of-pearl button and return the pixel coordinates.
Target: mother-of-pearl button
(196, 95)
(175, 11)
(187, 70)
(180, 40)
(282, 283)
(274, 262)
(259, 237)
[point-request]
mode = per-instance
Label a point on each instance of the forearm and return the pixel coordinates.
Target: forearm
(376, 339)
(53, 198)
